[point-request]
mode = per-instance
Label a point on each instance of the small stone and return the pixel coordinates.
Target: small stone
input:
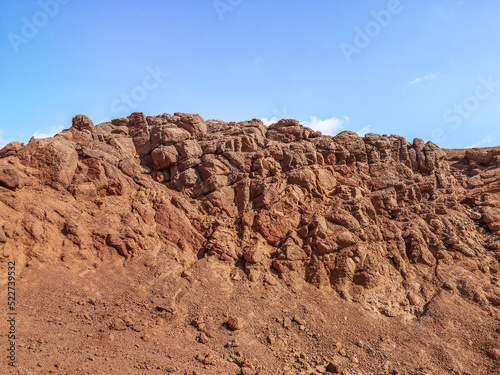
(342, 352)
(333, 368)
(235, 323)
(118, 325)
(137, 328)
(494, 353)
(246, 371)
(232, 344)
(160, 177)
(287, 323)
(321, 369)
(299, 320)
(203, 338)
(165, 309)
(209, 360)
(196, 322)
(271, 339)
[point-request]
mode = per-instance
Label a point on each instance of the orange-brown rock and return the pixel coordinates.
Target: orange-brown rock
(398, 230)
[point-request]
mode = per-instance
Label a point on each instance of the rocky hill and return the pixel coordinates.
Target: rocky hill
(174, 244)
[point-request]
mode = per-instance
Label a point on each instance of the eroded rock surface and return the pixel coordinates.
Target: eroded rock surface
(382, 222)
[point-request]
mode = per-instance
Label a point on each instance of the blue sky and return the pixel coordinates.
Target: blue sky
(418, 69)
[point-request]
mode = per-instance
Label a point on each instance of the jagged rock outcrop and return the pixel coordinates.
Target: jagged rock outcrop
(174, 244)
(381, 221)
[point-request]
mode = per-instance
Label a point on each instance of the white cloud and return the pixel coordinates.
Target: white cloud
(51, 133)
(363, 131)
(270, 121)
(483, 142)
(329, 126)
(422, 79)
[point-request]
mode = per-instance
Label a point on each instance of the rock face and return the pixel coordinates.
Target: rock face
(377, 220)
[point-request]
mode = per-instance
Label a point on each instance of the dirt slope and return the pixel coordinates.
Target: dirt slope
(171, 244)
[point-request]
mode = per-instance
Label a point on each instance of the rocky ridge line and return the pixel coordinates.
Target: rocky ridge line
(381, 221)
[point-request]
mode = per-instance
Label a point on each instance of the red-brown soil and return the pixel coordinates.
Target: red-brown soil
(171, 244)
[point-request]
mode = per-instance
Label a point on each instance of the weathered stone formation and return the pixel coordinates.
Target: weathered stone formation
(383, 222)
